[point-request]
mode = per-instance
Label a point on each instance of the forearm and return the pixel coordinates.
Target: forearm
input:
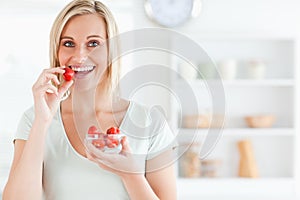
(25, 180)
(138, 187)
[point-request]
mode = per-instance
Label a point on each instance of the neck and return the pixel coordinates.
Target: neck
(88, 101)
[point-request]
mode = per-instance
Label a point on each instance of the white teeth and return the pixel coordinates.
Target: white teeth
(82, 69)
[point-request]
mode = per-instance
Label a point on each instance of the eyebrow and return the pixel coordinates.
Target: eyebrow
(66, 37)
(97, 36)
(90, 36)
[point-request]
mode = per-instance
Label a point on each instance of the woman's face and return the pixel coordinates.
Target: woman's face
(83, 48)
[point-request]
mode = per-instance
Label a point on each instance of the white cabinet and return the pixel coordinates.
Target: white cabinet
(274, 148)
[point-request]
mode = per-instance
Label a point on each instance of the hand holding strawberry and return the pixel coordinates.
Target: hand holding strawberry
(121, 163)
(46, 95)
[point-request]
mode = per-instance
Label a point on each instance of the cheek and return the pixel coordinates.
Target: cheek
(99, 56)
(62, 57)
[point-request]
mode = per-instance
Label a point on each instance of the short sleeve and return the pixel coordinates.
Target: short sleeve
(24, 125)
(162, 137)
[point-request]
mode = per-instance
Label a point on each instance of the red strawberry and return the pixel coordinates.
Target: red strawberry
(113, 130)
(98, 143)
(110, 143)
(92, 130)
(69, 73)
(94, 133)
(113, 140)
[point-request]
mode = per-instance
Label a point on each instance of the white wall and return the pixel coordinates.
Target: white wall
(24, 42)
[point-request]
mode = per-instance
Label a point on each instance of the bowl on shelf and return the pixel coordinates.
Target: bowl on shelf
(260, 121)
(189, 162)
(196, 121)
(218, 121)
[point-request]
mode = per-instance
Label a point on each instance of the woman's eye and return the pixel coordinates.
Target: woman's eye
(93, 44)
(68, 44)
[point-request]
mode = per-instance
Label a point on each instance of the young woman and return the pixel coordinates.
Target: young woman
(51, 159)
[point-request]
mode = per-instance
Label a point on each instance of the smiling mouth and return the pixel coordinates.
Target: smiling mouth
(82, 69)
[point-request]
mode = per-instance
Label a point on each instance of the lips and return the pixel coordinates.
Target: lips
(82, 70)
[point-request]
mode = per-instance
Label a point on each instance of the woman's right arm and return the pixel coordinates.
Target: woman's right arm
(25, 178)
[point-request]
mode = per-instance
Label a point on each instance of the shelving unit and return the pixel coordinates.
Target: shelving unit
(242, 188)
(244, 83)
(275, 147)
(240, 132)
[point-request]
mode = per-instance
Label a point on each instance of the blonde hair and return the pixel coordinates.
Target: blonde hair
(82, 7)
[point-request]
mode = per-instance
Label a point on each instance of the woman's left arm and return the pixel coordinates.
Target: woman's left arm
(160, 184)
(163, 182)
(160, 179)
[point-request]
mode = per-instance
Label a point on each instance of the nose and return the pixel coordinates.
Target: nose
(80, 54)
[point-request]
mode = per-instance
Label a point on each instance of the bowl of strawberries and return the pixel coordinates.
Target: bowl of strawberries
(109, 142)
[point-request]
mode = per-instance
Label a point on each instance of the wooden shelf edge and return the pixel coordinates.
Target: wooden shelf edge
(242, 131)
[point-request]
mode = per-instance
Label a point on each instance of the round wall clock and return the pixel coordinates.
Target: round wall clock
(172, 13)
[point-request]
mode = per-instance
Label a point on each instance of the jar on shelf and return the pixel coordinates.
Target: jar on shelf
(189, 163)
(228, 69)
(210, 168)
(256, 69)
(207, 70)
(187, 71)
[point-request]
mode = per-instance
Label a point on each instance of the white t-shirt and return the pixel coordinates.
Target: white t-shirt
(68, 175)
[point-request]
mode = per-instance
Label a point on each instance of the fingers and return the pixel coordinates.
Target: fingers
(100, 156)
(47, 76)
(49, 88)
(40, 90)
(50, 75)
(125, 146)
(43, 84)
(64, 87)
(115, 162)
(94, 151)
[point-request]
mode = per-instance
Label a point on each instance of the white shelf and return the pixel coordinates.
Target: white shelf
(198, 187)
(241, 132)
(275, 94)
(240, 82)
(241, 36)
(259, 83)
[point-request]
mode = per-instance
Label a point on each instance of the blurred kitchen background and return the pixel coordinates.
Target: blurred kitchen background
(254, 44)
